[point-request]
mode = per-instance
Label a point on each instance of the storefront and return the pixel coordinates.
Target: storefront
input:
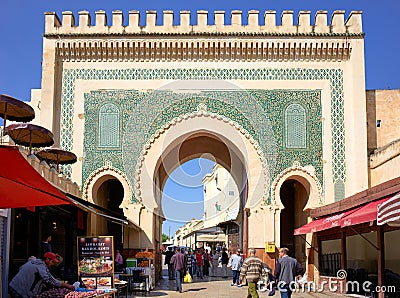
(346, 236)
(33, 207)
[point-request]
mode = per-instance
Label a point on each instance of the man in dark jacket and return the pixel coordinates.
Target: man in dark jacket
(286, 270)
(168, 255)
(224, 262)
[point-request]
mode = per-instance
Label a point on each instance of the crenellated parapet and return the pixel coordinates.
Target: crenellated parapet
(96, 41)
(337, 25)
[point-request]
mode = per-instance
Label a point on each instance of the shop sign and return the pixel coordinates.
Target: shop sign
(96, 262)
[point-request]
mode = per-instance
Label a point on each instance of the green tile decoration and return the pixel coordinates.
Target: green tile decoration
(295, 126)
(108, 130)
(265, 125)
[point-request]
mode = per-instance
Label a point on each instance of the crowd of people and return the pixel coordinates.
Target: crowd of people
(201, 262)
(250, 271)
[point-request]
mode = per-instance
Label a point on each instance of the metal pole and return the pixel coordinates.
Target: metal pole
(6, 261)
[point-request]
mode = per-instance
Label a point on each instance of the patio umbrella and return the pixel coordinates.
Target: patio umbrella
(57, 155)
(15, 109)
(30, 135)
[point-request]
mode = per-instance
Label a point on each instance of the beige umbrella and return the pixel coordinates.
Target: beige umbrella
(30, 135)
(56, 155)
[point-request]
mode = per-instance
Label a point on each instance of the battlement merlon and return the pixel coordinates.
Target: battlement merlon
(337, 26)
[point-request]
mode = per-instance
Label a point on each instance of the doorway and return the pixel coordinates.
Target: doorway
(294, 197)
(110, 196)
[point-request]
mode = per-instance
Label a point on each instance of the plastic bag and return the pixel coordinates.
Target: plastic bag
(187, 278)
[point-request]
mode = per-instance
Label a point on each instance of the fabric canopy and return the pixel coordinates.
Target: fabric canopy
(389, 212)
(323, 223)
(21, 185)
(211, 238)
(101, 211)
(366, 213)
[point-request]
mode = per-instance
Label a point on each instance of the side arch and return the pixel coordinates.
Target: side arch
(305, 176)
(101, 175)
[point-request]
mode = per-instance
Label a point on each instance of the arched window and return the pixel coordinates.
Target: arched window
(295, 126)
(109, 132)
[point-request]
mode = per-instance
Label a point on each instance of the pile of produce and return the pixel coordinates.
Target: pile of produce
(54, 293)
(144, 263)
(65, 293)
(144, 254)
(76, 294)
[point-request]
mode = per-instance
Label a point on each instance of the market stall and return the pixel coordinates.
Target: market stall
(78, 293)
(140, 272)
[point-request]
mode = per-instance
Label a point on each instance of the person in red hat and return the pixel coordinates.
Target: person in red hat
(29, 279)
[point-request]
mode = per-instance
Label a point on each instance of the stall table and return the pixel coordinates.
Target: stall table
(122, 287)
(137, 282)
(107, 294)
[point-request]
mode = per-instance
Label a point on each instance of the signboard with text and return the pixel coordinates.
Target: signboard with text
(96, 262)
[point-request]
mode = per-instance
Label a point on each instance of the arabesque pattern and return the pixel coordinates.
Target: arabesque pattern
(271, 101)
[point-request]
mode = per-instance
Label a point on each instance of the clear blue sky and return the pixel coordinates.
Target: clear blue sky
(22, 26)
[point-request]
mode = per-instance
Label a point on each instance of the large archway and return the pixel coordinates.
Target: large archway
(193, 137)
(200, 134)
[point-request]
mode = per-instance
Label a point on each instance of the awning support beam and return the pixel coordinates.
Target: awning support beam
(314, 248)
(376, 247)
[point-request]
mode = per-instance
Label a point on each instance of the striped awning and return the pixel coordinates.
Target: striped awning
(389, 212)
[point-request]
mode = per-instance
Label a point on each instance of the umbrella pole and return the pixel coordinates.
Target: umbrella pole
(5, 120)
(30, 142)
(58, 168)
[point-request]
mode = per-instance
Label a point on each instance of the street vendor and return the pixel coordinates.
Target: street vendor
(29, 279)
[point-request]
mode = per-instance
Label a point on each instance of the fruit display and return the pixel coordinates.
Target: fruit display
(65, 293)
(81, 292)
(144, 254)
(144, 263)
(54, 293)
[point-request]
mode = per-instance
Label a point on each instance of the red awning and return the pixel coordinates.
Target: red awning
(323, 223)
(366, 213)
(21, 185)
(389, 212)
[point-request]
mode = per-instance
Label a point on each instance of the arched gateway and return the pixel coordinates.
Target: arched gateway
(279, 106)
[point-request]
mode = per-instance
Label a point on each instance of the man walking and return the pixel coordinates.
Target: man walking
(287, 268)
(189, 263)
(252, 270)
(168, 255)
(235, 262)
(178, 260)
(199, 263)
(224, 262)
